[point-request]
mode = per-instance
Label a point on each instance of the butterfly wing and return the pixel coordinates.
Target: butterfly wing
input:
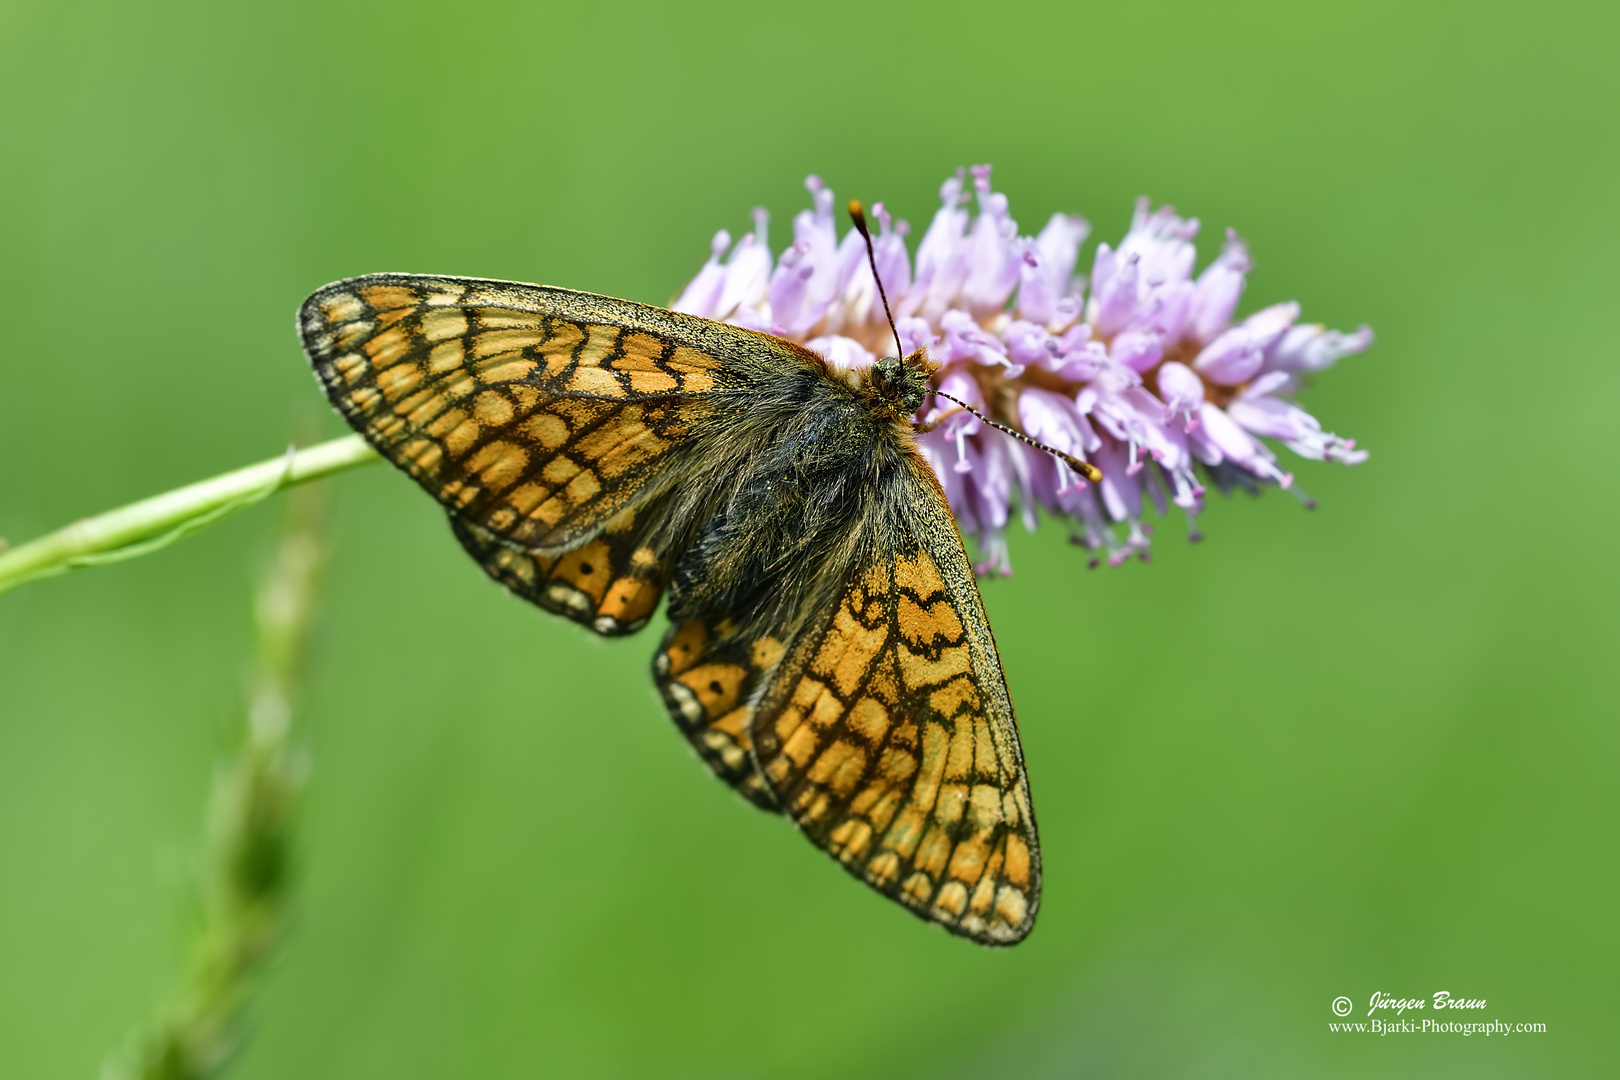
(708, 673)
(535, 413)
(544, 420)
(887, 732)
(574, 439)
(610, 583)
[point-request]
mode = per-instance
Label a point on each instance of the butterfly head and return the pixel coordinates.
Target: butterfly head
(901, 383)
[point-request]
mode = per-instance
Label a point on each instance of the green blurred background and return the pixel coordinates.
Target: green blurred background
(1320, 754)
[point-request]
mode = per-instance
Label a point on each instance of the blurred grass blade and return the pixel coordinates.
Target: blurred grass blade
(246, 876)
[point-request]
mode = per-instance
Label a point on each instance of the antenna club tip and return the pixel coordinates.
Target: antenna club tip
(1086, 469)
(858, 214)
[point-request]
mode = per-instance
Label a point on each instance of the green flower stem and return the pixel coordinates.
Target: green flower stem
(159, 521)
(248, 871)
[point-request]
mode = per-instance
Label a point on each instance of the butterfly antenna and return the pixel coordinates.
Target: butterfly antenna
(858, 215)
(1084, 468)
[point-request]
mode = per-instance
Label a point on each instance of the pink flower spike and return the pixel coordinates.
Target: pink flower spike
(1126, 378)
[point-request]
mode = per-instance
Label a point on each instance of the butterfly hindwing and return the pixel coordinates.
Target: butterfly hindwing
(538, 414)
(611, 583)
(708, 674)
(888, 734)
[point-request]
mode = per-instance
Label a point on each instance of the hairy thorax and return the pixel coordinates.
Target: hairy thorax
(806, 491)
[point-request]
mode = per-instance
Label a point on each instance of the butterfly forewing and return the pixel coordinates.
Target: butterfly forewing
(888, 735)
(538, 414)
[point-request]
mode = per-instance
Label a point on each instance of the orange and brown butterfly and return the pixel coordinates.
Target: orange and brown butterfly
(828, 653)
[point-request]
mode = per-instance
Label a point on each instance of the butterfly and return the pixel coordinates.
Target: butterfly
(828, 654)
